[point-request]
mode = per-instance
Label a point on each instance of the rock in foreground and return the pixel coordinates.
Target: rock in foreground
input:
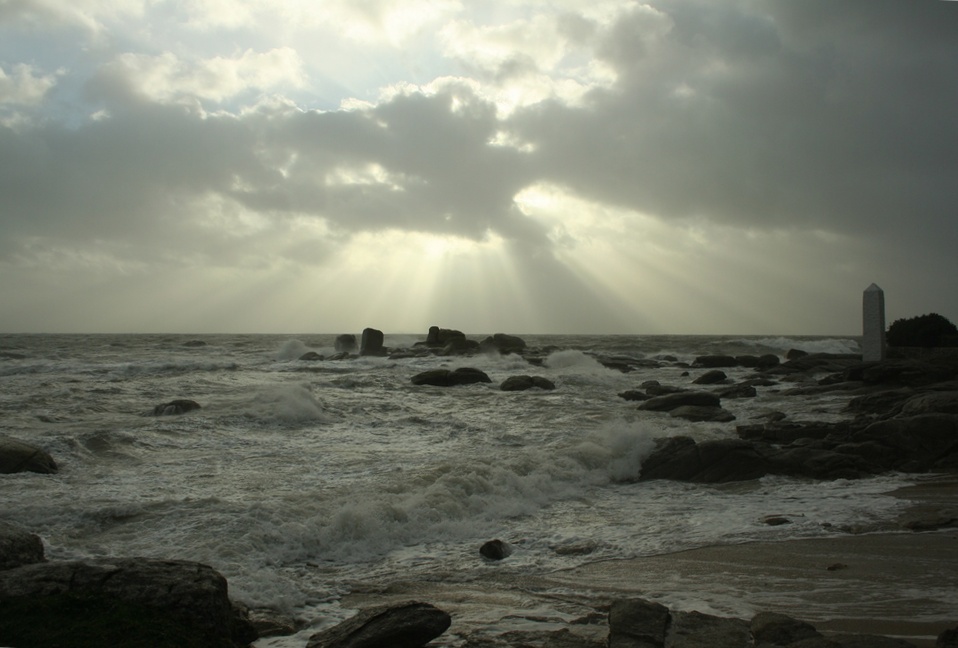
(18, 547)
(17, 456)
(122, 602)
(408, 625)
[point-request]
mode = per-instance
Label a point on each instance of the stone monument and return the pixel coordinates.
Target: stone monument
(873, 324)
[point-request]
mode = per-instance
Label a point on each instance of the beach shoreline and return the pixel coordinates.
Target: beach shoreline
(891, 581)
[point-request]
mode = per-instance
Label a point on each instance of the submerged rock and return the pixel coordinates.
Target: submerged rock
(17, 456)
(179, 406)
(450, 378)
(408, 625)
(521, 383)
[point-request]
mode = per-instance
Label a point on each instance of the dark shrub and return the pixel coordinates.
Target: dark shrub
(923, 331)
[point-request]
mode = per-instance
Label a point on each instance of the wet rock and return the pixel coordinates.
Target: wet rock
(310, 356)
(18, 456)
(105, 602)
(450, 378)
(372, 343)
(521, 383)
(780, 630)
(174, 407)
(668, 402)
(633, 395)
(408, 625)
(740, 390)
(723, 460)
(697, 630)
(712, 361)
(502, 343)
(711, 377)
(637, 623)
(948, 639)
(700, 413)
(495, 550)
(19, 547)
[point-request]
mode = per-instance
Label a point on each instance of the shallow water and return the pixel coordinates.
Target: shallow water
(301, 480)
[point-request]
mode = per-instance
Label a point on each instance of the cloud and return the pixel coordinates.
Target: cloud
(89, 15)
(23, 85)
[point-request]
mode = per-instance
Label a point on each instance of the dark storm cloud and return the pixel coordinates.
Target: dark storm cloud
(815, 114)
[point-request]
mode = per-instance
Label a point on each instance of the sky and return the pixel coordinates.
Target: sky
(530, 166)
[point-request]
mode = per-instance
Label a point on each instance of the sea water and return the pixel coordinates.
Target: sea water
(300, 479)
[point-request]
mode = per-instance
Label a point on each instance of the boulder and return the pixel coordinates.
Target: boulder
(18, 546)
(741, 390)
(723, 460)
(17, 456)
(697, 630)
(711, 377)
(407, 625)
(450, 378)
(778, 629)
(174, 407)
(345, 343)
(109, 602)
(503, 344)
(713, 361)
(310, 356)
(495, 550)
(633, 395)
(521, 383)
(637, 623)
(440, 337)
(372, 343)
(668, 402)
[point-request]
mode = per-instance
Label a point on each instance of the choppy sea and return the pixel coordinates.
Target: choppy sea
(300, 479)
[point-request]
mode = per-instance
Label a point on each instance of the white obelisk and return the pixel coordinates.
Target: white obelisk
(873, 324)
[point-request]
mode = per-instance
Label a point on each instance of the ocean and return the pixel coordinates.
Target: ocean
(303, 481)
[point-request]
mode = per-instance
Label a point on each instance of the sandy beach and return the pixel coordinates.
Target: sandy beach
(891, 581)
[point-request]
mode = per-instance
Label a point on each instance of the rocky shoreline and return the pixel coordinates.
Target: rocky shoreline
(902, 416)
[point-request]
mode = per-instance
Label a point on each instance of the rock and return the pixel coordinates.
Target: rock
(780, 630)
(19, 547)
(794, 354)
(17, 456)
(723, 460)
(740, 390)
(662, 390)
(712, 361)
(107, 601)
(408, 625)
(372, 343)
(440, 337)
(948, 638)
(194, 343)
(521, 383)
(922, 443)
(637, 623)
(702, 413)
(697, 630)
(174, 407)
(711, 377)
(503, 344)
(447, 378)
(270, 623)
(633, 395)
(459, 346)
(937, 402)
(868, 641)
(345, 343)
(668, 402)
(776, 520)
(495, 550)
(310, 356)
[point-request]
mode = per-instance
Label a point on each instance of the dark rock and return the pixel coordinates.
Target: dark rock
(662, 390)
(948, 638)
(740, 390)
(723, 460)
(780, 630)
(342, 355)
(495, 550)
(18, 546)
(194, 343)
(926, 442)
(768, 361)
(310, 356)
(174, 407)
(17, 456)
(711, 377)
(270, 623)
(637, 623)
(816, 363)
(408, 625)
(106, 602)
(936, 402)
(776, 520)
(697, 630)
(447, 378)
(668, 402)
(712, 361)
(521, 383)
(784, 432)
(868, 641)
(345, 342)
(459, 346)
(440, 337)
(503, 343)
(794, 354)
(372, 343)
(702, 413)
(633, 395)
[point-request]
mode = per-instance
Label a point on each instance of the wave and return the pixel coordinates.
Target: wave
(809, 345)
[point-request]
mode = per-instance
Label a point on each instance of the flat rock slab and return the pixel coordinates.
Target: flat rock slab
(408, 625)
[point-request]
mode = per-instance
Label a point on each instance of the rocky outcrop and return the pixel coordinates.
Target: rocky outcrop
(668, 402)
(450, 378)
(108, 601)
(522, 383)
(372, 343)
(702, 413)
(680, 458)
(19, 547)
(714, 361)
(174, 407)
(17, 456)
(408, 625)
(502, 343)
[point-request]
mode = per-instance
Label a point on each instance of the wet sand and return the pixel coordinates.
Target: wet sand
(899, 582)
